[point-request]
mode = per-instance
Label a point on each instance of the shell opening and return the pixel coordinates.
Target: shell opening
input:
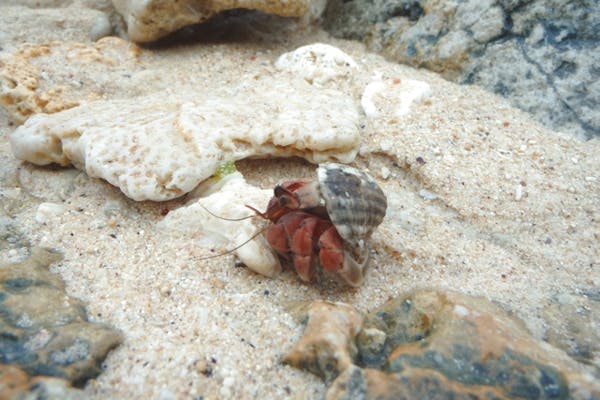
(352, 272)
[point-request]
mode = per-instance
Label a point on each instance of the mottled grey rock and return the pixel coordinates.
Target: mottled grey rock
(42, 330)
(574, 325)
(542, 55)
(434, 345)
(11, 236)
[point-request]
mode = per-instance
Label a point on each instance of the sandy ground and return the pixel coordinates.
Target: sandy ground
(209, 328)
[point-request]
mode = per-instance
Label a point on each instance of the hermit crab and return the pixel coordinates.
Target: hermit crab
(326, 222)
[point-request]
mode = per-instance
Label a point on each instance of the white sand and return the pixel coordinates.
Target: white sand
(516, 220)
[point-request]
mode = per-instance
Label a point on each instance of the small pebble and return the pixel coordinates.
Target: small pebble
(461, 310)
(12, 193)
(385, 146)
(204, 368)
(227, 386)
(165, 291)
(47, 211)
(385, 172)
(166, 394)
(427, 195)
(518, 193)
(112, 208)
(363, 151)
(101, 28)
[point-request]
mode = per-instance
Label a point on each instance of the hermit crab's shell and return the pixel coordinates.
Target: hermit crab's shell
(354, 201)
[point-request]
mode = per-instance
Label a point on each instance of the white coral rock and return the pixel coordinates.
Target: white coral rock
(157, 148)
(195, 222)
(317, 63)
(392, 97)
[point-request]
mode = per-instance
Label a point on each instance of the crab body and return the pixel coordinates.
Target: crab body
(304, 239)
(326, 222)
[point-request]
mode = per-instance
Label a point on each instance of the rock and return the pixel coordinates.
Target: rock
(538, 54)
(150, 20)
(574, 326)
(26, 87)
(14, 245)
(317, 63)
(13, 381)
(315, 11)
(15, 384)
(158, 149)
(427, 195)
(42, 330)
(392, 97)
(225, 198)
(48, 211)
(429, 344)
(327, 347)
(369, 383)
(102, 27)
(10, 235)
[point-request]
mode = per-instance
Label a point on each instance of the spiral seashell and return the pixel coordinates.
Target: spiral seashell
(354, 201)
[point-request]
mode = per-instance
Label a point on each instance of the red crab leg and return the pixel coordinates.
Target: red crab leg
(275, 235)
(302, 246)
(331, 254)
(280, 234)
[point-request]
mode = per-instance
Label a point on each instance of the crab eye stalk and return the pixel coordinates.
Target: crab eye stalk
(278, 191)
(283, 200)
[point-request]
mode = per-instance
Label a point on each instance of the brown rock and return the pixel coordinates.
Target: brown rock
(150, 20)
(437, 345)
(327, 346)
(368, 383)
(16, 384)
(12, 381)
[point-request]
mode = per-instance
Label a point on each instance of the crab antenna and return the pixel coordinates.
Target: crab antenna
(227, 219)
(258, 213)
(235, 248)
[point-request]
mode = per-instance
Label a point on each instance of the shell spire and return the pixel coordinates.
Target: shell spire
(354, 201)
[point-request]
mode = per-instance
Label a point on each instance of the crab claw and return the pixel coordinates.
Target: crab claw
(352, 273)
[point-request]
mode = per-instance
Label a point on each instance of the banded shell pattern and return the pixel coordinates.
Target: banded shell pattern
(354, 201)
